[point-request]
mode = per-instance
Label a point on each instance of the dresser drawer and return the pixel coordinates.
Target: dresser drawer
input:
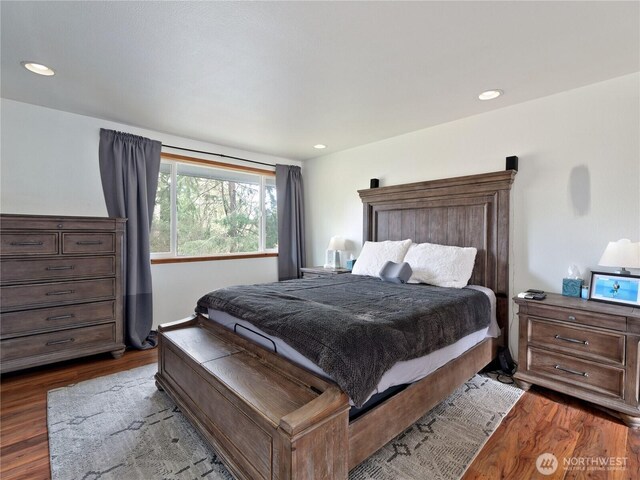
(27, 222)
(28, 296)
(20, 270)
(53, 318)
(599, 378)
(28, 243)
(578, 316)
(601, 346)
(46, 343)
(88, 243)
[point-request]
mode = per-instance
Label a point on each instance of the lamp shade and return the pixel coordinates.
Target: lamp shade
(337, 243)
(622, 253)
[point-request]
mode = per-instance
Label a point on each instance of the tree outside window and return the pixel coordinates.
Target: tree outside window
(205, 211)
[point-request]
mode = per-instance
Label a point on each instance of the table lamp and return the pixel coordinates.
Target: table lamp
(333, 252)
(621, 254)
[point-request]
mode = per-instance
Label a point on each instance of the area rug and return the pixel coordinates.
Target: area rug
(121, 427)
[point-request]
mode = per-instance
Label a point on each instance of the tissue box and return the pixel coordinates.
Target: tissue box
(571, 287)
(350, 264)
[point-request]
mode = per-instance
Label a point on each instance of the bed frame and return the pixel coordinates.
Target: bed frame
(267, 418)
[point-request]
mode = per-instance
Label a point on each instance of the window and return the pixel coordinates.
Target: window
(208, 211)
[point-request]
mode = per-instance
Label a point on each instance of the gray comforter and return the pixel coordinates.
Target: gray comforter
(353, 327)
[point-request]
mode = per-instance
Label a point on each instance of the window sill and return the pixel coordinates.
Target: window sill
(156, 261)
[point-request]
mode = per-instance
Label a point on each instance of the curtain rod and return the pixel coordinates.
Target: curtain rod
(219, 155)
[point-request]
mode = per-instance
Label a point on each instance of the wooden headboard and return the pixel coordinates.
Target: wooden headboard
(469, 211)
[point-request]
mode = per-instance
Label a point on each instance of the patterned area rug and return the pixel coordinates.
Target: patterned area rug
(121, 427)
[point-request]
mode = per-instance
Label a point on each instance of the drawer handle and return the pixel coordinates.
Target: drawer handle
(25, 244)
(60, 342)
(89, 242)
(61, 317)
(572, 340)
(574, 372)
(61, 292)
(64, 267)
(572, 318)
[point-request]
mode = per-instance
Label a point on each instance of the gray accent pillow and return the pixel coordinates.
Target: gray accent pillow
(395, 272)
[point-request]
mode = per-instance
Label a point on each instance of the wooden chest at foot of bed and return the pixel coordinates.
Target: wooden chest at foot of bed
(266, 419)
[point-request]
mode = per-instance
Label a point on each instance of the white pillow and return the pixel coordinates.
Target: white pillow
(375, 254)
(440, 265)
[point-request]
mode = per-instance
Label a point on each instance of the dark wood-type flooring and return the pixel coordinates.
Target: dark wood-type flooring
(542, 421)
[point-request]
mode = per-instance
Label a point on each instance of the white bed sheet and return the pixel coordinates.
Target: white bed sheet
(401, 373)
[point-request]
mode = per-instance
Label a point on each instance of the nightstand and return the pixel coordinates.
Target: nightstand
(582, 348)
(313, 272)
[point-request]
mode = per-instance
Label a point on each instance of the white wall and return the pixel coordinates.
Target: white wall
(49, 166)
(577, 188)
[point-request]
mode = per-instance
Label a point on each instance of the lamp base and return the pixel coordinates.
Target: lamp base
(333, 259)
(623, 271)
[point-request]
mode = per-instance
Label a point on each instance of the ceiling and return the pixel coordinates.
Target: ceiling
(280, 77)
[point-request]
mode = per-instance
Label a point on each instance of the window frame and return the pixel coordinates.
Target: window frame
(172, 256)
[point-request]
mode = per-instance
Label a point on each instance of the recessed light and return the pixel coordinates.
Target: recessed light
(490, 94)
(38, 68)
(319, 146)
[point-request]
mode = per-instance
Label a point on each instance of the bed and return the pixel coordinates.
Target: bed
(267, 417)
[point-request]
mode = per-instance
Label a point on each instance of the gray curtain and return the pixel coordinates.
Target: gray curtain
(291, 251)
(129, 168)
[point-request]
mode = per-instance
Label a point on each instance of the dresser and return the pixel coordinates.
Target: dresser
(582, 348)
(60, 288)
(313, 272)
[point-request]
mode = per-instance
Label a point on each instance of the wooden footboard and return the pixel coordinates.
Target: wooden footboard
(380, 425)
(269, 419)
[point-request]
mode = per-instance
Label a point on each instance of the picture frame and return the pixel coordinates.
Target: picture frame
(615, 288)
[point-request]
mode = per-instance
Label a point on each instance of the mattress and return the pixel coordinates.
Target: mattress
(401, 373)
